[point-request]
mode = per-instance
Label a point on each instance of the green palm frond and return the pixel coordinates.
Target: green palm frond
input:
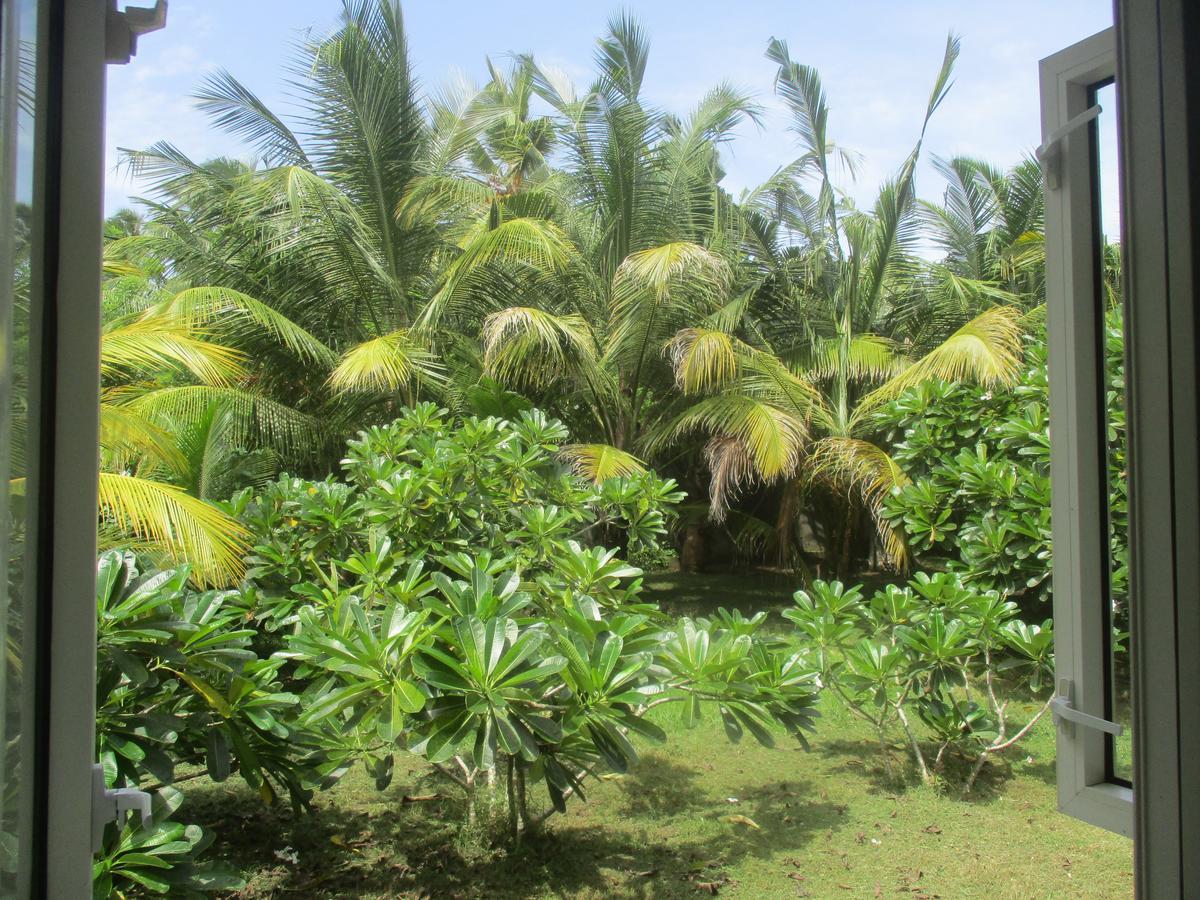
(658, 291)
(863, 468)
(704, 359)
(537, 245)
(154, 341)
(385, 365)
(185, 528)
(528, 347)
(257, 420)
(863, 357)
(236, 109)
(226, 311)
(987, 350)
(599, 462)
(772, 438)
(127, 435)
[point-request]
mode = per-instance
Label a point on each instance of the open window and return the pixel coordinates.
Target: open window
(1086, 322)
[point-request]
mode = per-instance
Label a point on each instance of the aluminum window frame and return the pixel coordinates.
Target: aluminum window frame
(1069, 79)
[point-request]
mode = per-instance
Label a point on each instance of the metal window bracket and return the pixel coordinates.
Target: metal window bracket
(1050, 152)
(122, 29)
(1066, 716)
(113, 804)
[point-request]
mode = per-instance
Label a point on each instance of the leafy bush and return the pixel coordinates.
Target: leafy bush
(450, 598)
(179, 685)
(979, 500)
(917, 650)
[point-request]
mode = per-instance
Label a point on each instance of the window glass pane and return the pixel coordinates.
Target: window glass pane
(1111, 306)
(17, 72)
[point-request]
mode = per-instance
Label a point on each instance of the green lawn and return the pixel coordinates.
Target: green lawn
(828, 825)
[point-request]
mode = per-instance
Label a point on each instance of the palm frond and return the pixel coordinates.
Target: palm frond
(223, 310)
(187, 529)
(537, 245)
(599, 462)
(704, 359)
(772, 438)
(858, 466)
(255, 420)
(987, 350)
(127, 435)
(529, 347)
(154, 341)
(385, 365)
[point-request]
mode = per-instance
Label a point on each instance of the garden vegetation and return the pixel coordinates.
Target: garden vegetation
(395, 415)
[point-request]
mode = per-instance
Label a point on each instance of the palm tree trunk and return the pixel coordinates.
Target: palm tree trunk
(785, 523)
(847, 539)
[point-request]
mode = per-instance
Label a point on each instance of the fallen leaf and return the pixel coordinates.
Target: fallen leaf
(743, 820)
(932, 829)
(649, 873)
(710, 887)
(419, 798)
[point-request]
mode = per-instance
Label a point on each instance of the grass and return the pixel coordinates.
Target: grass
(819, 823)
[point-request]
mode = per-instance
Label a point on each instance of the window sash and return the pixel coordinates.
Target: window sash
(1079, 506)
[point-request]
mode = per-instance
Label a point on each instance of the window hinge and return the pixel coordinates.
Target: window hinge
(122, 29)
(112, 804)
(1050, 152)
(1066, 716)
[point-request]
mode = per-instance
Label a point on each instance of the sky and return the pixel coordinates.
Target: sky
(877, 60)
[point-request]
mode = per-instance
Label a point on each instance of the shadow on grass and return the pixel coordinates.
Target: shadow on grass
(863, 759)
(659, 786)
(417, 849)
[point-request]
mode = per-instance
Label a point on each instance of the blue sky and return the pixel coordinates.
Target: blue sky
(877, 59)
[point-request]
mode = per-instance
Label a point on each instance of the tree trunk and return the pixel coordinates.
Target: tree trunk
(514, 815)
(691, 555)
(847, 540)
(785, 522)
(523, 798)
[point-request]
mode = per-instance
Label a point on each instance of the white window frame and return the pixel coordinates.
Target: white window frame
(1076, 408)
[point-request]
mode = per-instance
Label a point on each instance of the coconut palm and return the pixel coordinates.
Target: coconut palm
(786, 390)
(311, 227)
(179, 408)
(989, 228)
(574, 281)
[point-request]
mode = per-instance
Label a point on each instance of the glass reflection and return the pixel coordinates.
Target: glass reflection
(1112, 308)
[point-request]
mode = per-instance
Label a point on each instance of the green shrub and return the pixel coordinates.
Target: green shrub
(935, 648)
(452, 598)
(979, 501)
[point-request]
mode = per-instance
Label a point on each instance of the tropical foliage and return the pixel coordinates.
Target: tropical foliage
(933, 650)
(978, 503)
(449, 598)
(574, 245)
(323, 372)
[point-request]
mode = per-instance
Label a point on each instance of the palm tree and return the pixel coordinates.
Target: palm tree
(989, 228)
(177, 397)
(311, 228)
(574, 281)
(786, 390)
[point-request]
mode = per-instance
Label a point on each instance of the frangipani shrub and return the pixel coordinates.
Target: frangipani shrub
(979, 461)
(934, 650)
(449, 599)
(180, 689)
